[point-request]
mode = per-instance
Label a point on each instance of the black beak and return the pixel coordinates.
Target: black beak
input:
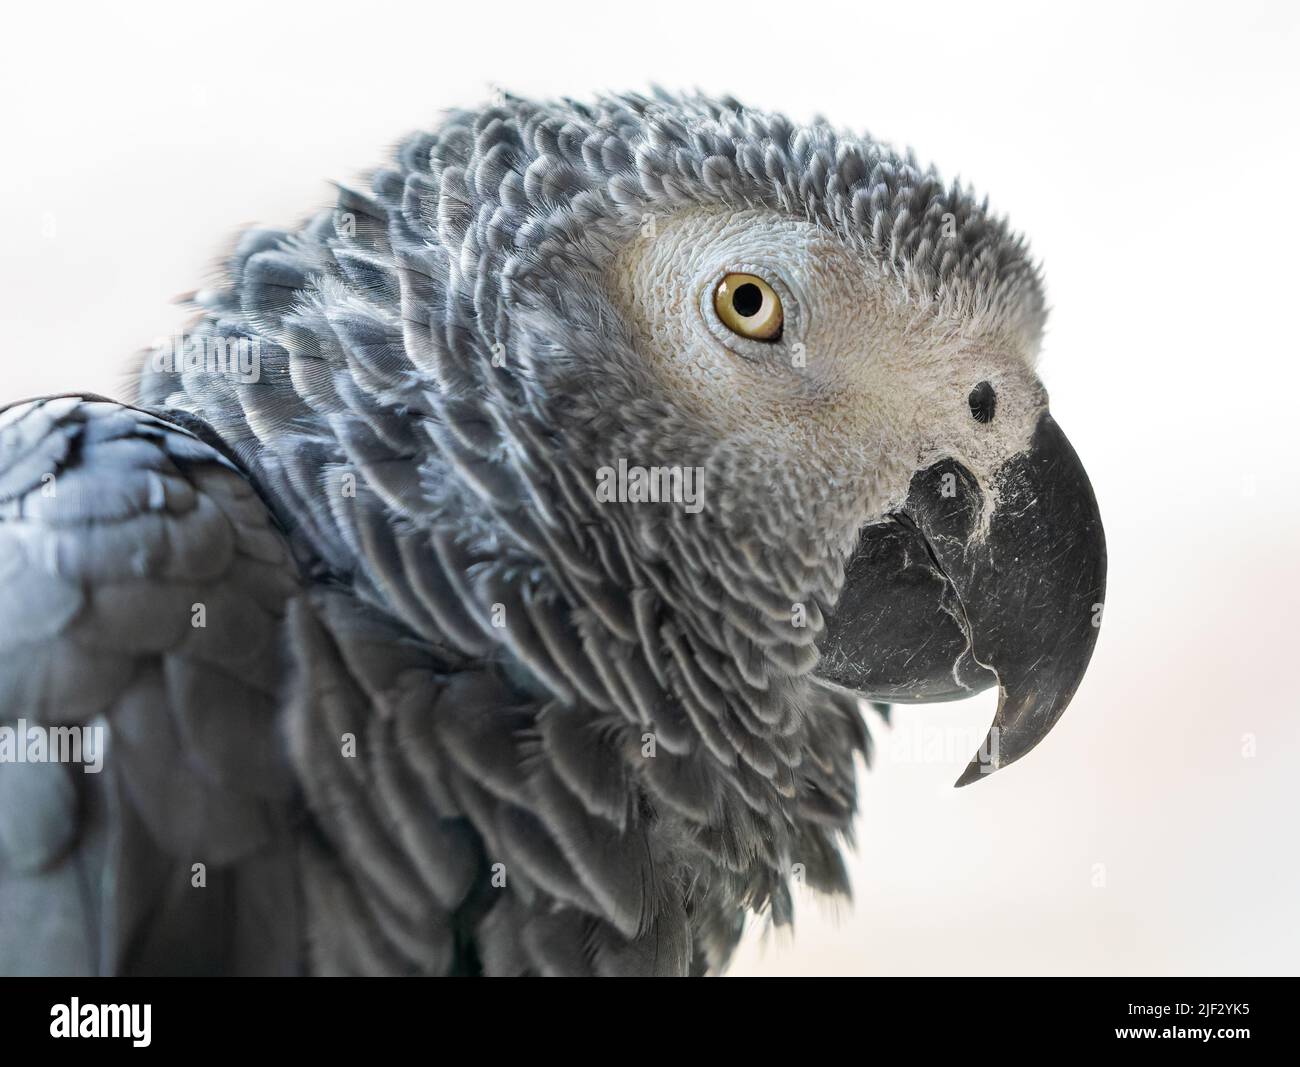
(946, 597)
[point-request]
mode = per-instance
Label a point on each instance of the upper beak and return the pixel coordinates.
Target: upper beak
(942, 599)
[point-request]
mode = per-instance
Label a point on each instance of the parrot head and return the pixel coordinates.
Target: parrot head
(844, 348)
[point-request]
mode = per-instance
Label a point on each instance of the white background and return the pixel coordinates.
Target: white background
(1151, 155)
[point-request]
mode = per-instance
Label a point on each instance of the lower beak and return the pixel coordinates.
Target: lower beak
(942, 600)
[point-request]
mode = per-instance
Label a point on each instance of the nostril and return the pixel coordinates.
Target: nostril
(983, 402)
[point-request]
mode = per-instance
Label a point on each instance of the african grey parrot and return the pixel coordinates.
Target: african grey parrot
(491, 577)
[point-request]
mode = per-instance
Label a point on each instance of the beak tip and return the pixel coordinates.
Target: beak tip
(978, 769)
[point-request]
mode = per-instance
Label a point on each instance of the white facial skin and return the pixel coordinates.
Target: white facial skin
(884, 384)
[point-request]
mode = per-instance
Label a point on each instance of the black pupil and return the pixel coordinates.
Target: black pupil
(747, 300)
(983, 401)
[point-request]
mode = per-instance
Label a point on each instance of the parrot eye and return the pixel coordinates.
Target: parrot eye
(748, 306)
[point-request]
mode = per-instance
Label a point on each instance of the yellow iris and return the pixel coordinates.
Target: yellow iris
(747, 305)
